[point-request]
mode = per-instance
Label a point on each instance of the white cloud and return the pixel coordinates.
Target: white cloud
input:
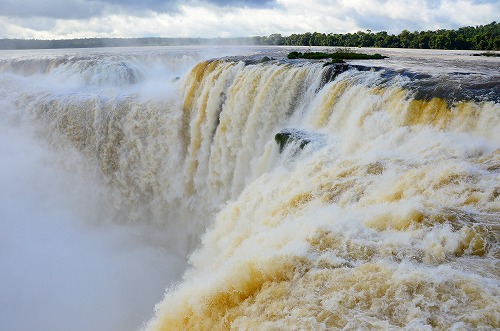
(217, 18)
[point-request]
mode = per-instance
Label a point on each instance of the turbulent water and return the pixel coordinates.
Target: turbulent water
(128, 171)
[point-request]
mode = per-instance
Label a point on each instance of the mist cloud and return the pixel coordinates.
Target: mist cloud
(64, 267)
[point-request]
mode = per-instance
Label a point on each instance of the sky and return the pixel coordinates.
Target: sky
(63, 19)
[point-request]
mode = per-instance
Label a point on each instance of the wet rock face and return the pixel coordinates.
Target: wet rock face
(302, 137)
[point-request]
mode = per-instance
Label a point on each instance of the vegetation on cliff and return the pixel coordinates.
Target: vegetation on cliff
(337, 57)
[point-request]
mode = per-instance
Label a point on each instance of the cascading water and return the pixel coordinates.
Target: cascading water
(382, 212)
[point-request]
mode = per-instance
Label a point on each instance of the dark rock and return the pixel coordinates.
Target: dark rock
(332, 71)
(489, 54)
(302, 137)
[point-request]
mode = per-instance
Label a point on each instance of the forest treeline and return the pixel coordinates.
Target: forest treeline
(480, 37)
(115, 42)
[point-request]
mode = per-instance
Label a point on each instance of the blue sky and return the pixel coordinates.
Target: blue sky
(218, 18)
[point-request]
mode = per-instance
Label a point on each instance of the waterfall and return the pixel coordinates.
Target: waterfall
(380, 211)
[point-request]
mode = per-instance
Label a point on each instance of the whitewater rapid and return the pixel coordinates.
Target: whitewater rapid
(386, 219)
